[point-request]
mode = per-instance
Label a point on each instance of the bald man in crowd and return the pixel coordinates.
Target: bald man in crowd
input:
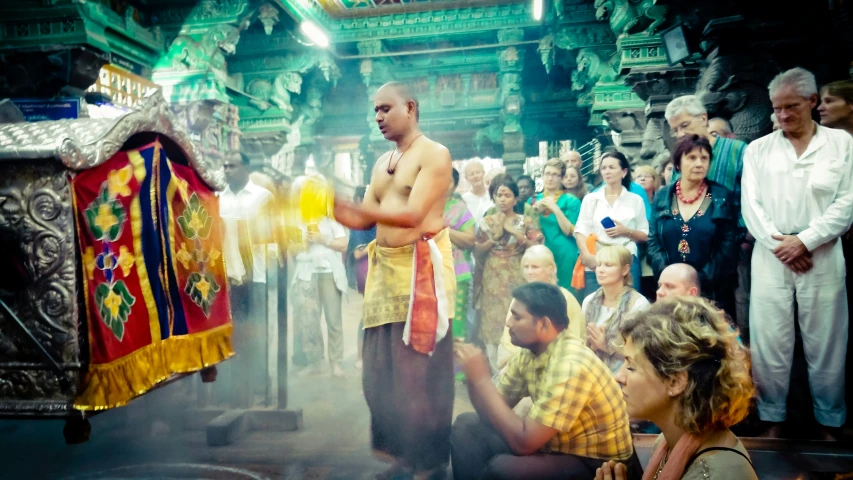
(678, 279)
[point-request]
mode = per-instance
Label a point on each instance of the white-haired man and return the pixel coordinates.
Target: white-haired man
(687, 115)
(797, 201)
(477, 200)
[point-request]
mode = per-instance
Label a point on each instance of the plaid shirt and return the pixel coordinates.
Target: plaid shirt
(575, 393)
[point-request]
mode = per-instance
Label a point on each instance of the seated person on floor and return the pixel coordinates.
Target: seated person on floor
(578, 415)
(678, 279)
(681, 279)
(685, 371)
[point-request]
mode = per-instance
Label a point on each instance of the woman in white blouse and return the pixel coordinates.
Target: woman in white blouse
(617, 204)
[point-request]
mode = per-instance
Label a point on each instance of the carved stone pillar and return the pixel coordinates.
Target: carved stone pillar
(511, 62)
(466, 89)
(659, 87)
(628, 124)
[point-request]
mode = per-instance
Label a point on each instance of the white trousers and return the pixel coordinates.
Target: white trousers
(822, 314)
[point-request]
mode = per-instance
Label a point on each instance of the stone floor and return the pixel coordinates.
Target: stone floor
(334, 443)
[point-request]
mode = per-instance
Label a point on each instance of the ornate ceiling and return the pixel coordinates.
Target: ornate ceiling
(365, 8)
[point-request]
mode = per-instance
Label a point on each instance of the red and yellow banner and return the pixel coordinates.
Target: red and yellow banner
(152, 309)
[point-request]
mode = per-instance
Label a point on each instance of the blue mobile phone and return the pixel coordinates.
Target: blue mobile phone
(607, 222)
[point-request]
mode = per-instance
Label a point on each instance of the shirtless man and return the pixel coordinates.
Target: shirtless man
(408, 351)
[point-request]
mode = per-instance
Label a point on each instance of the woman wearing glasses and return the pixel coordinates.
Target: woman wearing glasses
(557, 212)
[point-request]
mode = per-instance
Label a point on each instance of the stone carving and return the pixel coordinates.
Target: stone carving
(735, 87)
(627, 16)
(188, 54)
(261, 91)
(268, 16)
(573, 37)
(653, 149)
(277, 92)
(493, 133)
(311, 113)
(592, 69)
(546, 49)
(205, 10)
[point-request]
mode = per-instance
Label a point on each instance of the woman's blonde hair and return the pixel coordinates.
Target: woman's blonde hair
(648, 170)
(619, 255)
(541, 252)
(691, 335)
(555, 162)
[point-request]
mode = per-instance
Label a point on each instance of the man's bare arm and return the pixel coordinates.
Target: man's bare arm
(430, 186)
(353, 216)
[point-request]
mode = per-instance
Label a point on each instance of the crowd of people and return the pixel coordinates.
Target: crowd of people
(664, 299)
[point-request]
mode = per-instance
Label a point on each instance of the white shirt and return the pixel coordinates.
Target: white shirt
(605, 312)
(628, 209)
(809, 196)
(319, 258)
(477, 205)
(245, 205)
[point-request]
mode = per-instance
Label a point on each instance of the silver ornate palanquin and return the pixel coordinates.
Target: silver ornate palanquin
(43, 337)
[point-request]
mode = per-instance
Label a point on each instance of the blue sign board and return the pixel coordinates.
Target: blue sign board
(38, 110)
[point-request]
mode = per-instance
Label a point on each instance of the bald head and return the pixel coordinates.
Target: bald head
(573, 159)
(721, 128)
(678, 279)
(405, 92)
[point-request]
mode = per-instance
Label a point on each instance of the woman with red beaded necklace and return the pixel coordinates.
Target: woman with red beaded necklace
(695, 221)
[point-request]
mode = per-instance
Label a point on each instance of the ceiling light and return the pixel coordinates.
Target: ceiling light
(315, 34)
(537, 9)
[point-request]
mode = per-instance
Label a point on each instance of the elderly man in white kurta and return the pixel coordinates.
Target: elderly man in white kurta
(797, 200)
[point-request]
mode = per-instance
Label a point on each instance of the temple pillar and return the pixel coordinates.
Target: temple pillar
(511, 62)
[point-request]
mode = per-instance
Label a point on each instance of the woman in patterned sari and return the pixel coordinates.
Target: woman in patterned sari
(458, 218)
(502, 239)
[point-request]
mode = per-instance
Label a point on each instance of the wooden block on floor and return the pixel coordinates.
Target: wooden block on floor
(199, 418)
(276, 420)
(228, 428)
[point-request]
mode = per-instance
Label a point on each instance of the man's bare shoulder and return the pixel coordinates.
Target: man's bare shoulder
(432, 150)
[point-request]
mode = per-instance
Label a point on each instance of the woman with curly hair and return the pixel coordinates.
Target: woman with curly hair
(685, 371)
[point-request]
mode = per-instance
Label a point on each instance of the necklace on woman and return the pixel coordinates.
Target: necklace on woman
(689, 200)
(393, 169)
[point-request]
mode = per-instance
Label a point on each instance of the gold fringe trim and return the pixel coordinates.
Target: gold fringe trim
(116, 383)
(190, 353)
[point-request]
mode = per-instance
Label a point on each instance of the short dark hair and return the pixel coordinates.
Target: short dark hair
(407, 93)
(727, 123)
(455, 177)
(687, 144)
(505, 181)
(244, 159)
(544, 300)
(624, 164)
(528, 178)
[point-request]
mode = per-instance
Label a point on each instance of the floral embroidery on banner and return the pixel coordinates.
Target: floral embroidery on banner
(106, 219)
(195, 224)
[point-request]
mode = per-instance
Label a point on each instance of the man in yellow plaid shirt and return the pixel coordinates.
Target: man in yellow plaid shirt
(578, 419)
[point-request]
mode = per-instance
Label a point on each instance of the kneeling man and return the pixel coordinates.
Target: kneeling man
(578, 417)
